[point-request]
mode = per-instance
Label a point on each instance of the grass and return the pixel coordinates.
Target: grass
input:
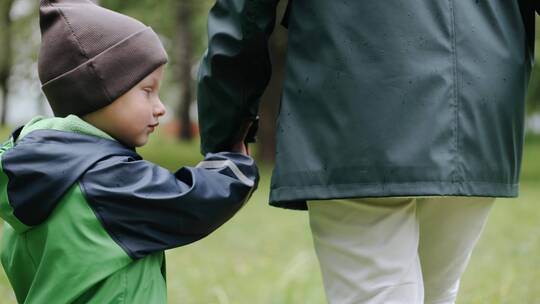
(264, 255)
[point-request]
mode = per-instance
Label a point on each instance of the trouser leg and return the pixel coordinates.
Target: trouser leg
(449, 229)
(367, 250)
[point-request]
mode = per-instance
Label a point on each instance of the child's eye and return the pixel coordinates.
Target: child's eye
(148, 91)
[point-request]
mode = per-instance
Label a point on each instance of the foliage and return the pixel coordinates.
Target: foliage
(161, 17)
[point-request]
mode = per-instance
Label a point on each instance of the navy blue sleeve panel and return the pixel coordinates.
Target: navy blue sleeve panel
(44, 164)
(146, 208)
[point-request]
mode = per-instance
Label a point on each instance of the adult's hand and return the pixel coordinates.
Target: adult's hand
(239, 145)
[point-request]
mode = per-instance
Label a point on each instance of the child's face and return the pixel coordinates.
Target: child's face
(133, 116)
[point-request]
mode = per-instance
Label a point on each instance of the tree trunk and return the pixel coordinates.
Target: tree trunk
(5, 55)
(184, 52)
(5, 93)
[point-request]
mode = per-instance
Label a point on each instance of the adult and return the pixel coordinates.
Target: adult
(400, 122)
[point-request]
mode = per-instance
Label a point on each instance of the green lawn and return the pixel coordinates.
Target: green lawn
(264, 255)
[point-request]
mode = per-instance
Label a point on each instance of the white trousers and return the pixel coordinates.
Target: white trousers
(395, 250)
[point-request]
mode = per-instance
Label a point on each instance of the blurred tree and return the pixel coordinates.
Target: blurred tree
(183, 49)
(5, 54)
(26, 42)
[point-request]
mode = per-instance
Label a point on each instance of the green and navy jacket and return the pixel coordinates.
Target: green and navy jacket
(87, 219)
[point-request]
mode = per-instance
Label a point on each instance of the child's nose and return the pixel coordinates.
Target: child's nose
(159, 109)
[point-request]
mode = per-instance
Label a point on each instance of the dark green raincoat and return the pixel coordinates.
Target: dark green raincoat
(381, 98)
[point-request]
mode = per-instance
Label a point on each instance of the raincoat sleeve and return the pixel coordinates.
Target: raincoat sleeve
(234, 71)
(146, 208)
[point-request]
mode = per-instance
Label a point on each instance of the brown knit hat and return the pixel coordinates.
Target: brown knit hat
(91, 55)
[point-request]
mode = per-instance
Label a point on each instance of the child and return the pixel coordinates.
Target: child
(87, 220)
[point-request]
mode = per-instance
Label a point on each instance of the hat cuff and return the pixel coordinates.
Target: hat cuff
(107, 76)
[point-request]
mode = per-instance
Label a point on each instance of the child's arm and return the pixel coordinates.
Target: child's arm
(146, 208)
(234, 71)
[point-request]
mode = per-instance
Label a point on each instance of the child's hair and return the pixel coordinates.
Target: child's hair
(90, 55)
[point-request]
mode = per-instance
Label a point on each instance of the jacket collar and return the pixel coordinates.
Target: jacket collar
(70, 123)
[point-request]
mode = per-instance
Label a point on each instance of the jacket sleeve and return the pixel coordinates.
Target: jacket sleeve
(146, 208)
(235, 69)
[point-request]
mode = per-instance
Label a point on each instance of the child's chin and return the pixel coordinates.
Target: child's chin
(136, 142)
(140, 142)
